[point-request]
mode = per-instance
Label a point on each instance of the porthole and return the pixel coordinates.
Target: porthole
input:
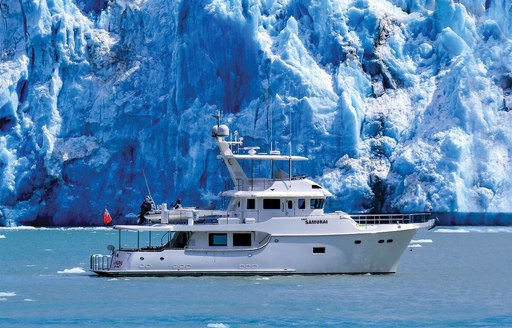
(357, 242)
(161, 259)
(141, 258)
(390, 240)
(381, 241)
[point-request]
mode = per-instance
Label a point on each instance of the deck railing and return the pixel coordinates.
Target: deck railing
(390, 218)
(100, 262)
(253, 185)
(257, 184)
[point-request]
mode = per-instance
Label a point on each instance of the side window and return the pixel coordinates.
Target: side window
(218, 239)
(316, 203)
(251, 203)
(271, 204)
(241, 239)
(290, 204)
(302, 203)
(318, 250)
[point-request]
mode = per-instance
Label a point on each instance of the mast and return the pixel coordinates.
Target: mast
(220, 132)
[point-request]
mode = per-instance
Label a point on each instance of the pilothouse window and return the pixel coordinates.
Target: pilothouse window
(218, 239)
(271, 204)
(316, 203)
(241, 239)
(251, 204)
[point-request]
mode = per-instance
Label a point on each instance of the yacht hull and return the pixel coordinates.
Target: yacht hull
(375, 253)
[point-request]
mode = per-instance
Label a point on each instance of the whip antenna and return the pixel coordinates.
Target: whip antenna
(147, 185)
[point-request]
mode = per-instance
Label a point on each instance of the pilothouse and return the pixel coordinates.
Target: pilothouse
(272, 225)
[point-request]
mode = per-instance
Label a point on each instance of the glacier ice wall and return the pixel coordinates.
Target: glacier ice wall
(402, 105)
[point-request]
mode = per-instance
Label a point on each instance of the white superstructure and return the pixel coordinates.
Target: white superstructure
(272, 225)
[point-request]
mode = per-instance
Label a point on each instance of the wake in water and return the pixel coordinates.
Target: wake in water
(217, 325)
(417, 243)
(422, 241)
(75, 270)
(4, 295)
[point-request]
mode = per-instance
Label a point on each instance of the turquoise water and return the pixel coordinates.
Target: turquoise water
(457, 276)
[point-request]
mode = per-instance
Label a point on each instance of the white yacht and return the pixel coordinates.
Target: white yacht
(272, 225)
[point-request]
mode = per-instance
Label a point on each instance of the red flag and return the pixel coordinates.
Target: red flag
(107, 219)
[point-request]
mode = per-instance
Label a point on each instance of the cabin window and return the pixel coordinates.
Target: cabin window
(302, 203)
(251, 204)
(218, 239)
(238, 205)
(318, 250)
(242, 239)
(271, 204)
(316, 203)
(290, 204)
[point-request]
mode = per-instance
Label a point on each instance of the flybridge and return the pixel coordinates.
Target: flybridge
(279, 184)
(229, 153)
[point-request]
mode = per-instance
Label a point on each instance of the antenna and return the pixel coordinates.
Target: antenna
(217, 117)
(290, 160)
(147, 185)
(271, 124)
(290, 131)
(271, 142)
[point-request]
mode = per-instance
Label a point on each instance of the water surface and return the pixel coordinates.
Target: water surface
(457, 276)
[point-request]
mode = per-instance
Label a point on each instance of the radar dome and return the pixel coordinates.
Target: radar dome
(215, 130)
(223, 131)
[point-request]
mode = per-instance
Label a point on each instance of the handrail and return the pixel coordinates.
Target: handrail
(260, 184)
(400, 218)
(100, 262)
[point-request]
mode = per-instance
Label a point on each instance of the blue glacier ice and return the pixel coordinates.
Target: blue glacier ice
(402, 105)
